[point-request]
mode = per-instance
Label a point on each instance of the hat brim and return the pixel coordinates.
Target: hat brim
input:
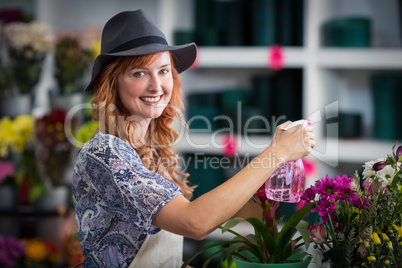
(184, 57)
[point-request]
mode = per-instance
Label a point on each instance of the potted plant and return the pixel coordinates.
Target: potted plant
(54, 155)
(73, 55)
(71, 63)
(267, 245)
(17, 144)
(360, 219)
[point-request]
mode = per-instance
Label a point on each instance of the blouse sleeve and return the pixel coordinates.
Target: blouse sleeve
(126, 187)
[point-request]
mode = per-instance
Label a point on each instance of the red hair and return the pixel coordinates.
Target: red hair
(156, 153)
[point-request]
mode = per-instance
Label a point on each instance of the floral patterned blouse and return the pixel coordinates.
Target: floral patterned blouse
(115, 198)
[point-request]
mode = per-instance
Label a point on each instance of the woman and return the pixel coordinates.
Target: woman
(132, 204)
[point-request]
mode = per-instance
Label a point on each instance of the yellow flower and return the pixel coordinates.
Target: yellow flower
(15, 134)
(35, 249)
(400, 232)
(6, 136)
(375, 238)
(371, 258)
(387, 262)
(390, 245)
(366, 244)
(95, 48)
(384, 237)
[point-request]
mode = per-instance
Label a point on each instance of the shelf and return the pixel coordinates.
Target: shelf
(330, 151)
(365, 59)
(258, 57)
(247, 57)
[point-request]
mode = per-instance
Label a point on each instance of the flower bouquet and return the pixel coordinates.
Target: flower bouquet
(360, 219)
(53, 146)
(28, 44)
(16, 143)
(267, 244)
(71, 62)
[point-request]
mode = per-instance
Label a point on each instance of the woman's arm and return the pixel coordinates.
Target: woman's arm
(198, 218)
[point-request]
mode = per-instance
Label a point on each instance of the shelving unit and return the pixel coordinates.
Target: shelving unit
(327, 72)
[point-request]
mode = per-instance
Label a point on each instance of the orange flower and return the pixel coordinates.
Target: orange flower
(35, 249)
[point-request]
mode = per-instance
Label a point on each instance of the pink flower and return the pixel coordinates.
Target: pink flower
(318, 233)
(6, 169)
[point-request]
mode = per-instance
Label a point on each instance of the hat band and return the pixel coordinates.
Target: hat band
(146, 40)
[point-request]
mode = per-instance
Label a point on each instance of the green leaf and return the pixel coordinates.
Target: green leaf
(302, 228)
(231, 223)
(294, 221)
(261, 231)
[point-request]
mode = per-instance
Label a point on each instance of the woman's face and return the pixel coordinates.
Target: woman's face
(146, 91)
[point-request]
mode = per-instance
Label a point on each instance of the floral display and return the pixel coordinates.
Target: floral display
(15, 134)
(360, 219)
(12, 251)
(53, 146)
(71, 62)
(28, 44)
(268, 244)
(40, 253)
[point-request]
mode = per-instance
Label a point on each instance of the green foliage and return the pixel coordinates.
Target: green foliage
(261, 246)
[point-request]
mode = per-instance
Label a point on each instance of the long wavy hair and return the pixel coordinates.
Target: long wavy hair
(156, 152)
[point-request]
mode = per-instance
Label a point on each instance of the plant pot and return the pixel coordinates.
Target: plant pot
(56, 200)
(8, 198)
(301, 264)
(14, 106)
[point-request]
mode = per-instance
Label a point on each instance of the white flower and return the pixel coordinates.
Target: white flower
(35, 35)
(386, 175)
(368, 171)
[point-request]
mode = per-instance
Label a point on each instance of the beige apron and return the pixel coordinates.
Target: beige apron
(162, 250)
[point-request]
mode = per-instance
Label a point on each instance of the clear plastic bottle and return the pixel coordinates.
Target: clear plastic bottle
(287, 183)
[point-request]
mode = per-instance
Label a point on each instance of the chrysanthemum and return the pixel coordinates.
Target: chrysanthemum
(326, 188)
(344, 192)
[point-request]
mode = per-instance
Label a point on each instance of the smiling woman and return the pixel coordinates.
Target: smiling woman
(146, 91)
(132, 209)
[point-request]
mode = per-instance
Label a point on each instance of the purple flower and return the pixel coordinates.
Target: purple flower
(344, 179)
(325, 207)
(359, 202)
(379, 165)
(11, 250)
(344, 192)
(308, 195)
(399, 153)
(326, 187)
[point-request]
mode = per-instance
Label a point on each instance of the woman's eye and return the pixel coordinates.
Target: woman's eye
(138, 74)
(164, 71)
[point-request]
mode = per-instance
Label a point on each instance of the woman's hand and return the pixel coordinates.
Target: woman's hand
(292, 144)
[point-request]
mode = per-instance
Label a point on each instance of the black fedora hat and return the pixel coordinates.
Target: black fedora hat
(132, 33)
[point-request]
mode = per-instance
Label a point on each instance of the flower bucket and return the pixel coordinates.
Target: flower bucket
(55, 201)
(14, 106)
(8, 198)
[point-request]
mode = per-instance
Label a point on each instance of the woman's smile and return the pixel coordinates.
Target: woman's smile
(151, 100)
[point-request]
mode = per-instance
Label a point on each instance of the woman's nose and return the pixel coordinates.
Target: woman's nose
(155, 84)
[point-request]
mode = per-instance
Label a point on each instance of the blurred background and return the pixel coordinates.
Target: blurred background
(260, 63)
